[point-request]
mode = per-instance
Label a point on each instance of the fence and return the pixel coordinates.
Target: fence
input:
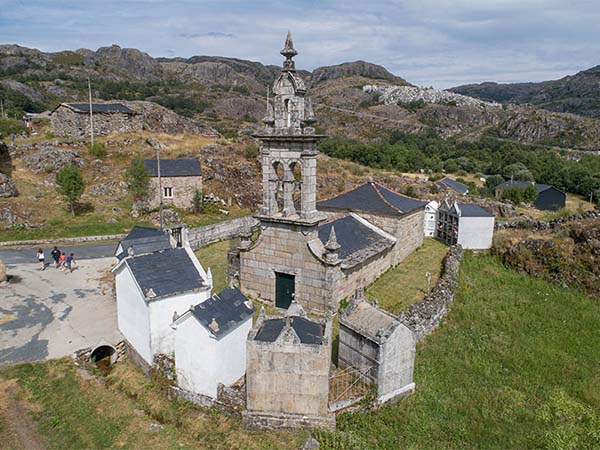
(348, 386)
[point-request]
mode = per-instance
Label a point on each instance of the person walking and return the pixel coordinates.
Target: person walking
(55, 253)
(70, 262)
(62, 262)
(41, 259)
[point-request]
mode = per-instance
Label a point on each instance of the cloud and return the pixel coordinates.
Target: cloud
(429, 42)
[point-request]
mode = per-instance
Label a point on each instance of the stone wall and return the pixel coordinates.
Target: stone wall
(230, 229)
(425, 316)
(542, 225)
(66, 122)
(184, 189)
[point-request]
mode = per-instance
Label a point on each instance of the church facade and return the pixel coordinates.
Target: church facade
(305, 254)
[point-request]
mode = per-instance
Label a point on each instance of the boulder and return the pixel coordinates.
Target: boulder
(51, 159)
(7, 187)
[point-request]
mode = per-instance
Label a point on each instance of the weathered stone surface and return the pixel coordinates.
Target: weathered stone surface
(113, 188)
(7, 187)
(66, 122)
(51, 159)
(183, 190)
(229, 229)
(8, 219)
(3, 274)
(542, 225)
(392, 95)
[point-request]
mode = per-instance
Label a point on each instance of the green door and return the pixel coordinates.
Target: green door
(284, 289)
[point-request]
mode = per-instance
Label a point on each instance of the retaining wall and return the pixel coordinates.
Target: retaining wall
(230, 229)
(541, 225)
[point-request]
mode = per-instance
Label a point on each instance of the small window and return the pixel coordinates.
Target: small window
(168, 192)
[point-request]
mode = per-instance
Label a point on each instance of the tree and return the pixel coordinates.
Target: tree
(138, 179)
(70, 185)
(198, 201)
(492, 181)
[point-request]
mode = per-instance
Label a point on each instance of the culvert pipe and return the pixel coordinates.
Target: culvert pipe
(104, 351)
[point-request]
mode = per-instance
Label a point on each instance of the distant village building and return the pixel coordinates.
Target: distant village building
(73, 119)
(466, 224)
(152, 286)
(378, 346)
(317, 256)
(210, 342)
(180, 178)
(430, 221)
(287, 372)
(548, 198)
(448, 184)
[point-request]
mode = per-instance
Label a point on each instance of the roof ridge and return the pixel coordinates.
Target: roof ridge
(374, 185)
(345, 192)
(393, 191)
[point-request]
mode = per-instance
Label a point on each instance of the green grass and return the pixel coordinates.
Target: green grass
(406, 283)
(515, 366)
(215, 257)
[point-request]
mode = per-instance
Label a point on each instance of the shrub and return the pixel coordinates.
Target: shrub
(98, 150)
(70, 185)
(11, 126)
(251, 151)
(138, 179)
(198, 201)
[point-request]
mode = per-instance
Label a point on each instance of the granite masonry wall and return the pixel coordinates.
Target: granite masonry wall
(541, 225)
(425, 316)
(66, 122)
(230, 229)
(183, 191)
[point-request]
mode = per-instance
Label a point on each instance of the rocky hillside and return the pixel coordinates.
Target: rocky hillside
(229, 94)
(578, 94)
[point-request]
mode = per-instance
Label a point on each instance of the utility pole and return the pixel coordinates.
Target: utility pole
(160, 192)
(91, 115)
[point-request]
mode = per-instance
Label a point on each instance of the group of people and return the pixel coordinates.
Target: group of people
(62, 261)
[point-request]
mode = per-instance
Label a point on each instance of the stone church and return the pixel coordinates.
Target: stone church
(317, 256)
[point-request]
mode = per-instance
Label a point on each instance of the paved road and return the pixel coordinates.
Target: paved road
(50, 314)
(27, 254)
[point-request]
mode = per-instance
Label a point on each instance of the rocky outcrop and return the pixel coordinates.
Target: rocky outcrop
(400, 95)
(10, 219)
(356, 68)
(112, 189)
(129, 62)
(51, 159)
(23, 89)
(7, 187)
(531, 224)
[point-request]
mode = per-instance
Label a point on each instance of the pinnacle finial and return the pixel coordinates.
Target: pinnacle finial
(332, 244)
(289, 52)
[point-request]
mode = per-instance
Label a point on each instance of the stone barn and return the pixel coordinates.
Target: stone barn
(377, 345)
(73, 119)
(450, 185)
(210, 342)
(548, 198)
(180, 178)
(287, 372)
(315, 257)
(466, 224)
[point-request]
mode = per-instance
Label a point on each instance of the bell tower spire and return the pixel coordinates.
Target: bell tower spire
(289, 52)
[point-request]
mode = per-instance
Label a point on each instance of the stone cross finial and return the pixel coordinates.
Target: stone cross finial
(289, 52)
(332, 244)
(214, 326)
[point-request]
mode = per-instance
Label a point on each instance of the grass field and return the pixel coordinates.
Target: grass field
(215, 257)
(515, 366)
(406, 283)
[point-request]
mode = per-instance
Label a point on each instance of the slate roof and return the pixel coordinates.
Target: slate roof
(99, 108)
(471, 210)
(539, 187)
(144, 240)
(165, 273)
(178, 167)
(449, 183)
(372, 197)
(358, 241)
(367, 320)
(308, 331)
(229, 308)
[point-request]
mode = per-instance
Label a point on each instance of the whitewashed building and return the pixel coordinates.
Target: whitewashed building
(210, 342)
(466, 224)
(430, 219)
(151, 289)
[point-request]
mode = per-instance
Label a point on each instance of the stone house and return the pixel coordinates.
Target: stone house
(379, 346)
(466, 224)
(314, 256)
(287, 372)
(210, 342)
(180, 178)
(430, 219)
(73, 119)
(448, 184)
(152, 286)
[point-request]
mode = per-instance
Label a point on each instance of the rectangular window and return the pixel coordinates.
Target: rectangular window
(168, 192)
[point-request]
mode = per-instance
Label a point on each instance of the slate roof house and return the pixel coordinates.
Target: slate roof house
(549, 198)
(466, 224)
(73, 119)
(153, 283)
(378, 345)
(142, 240)
(210, 342)
(448, 184)
(287, 372)
(180, 178)
(317, 255)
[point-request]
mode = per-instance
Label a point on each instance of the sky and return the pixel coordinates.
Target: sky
(440, 43)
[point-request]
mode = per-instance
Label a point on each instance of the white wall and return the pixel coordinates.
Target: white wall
(132, 313)
(476, 233)
(430, 219)
(202, 362)
(161, 311)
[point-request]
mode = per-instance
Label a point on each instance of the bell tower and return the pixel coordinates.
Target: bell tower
(289, 149)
